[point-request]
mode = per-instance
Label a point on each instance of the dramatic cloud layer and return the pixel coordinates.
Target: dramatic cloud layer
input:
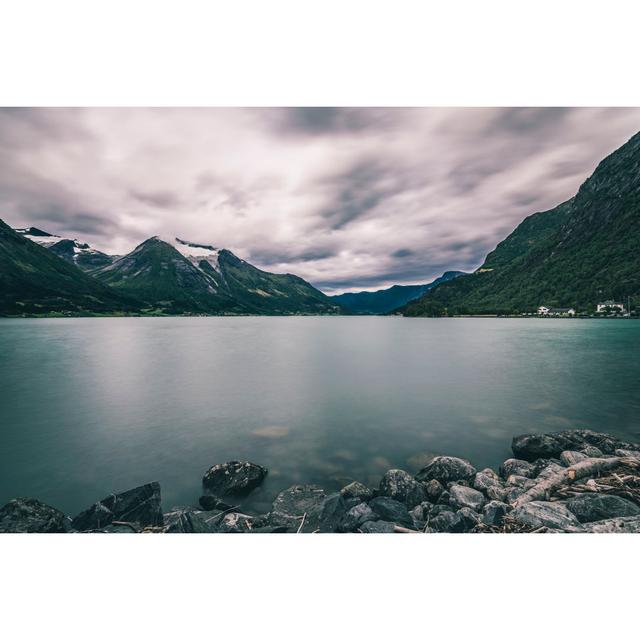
(349, 199)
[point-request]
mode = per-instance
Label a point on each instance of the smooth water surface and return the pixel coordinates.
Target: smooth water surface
(89, 406)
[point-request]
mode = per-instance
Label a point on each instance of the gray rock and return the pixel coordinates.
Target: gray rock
(569, 458)
(356, 517)
(486, 479)
(28, 515)
(356, 490)
(141, 505)
(236, 523)
(493, 512)
(513, 493)
(591, 451)
(470, 518)
(391, 510)
(448, 522)
(460, 496)
(437, 509)
(189, 520)
(520, 481)
(630, 524)
(401, 486)
(627, 453)
(554, 515)
(422, 511)
(299, 502)
(597, 506)
(380, 526)
(333, 511)
(444, 497)
(519, 467)
(550, 470)
(551, 445)
(233, 478)
(446, 469)
(213, 503)
(433, 489)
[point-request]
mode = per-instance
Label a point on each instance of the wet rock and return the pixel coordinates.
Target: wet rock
(448, 522)
(444, 497)
(630, 524)
(188, 520)
(513, 493)
(233, 478)
(356, 490)
(433, 490)
(554, 515)
(422, 511)
(356, 517)
(401, 486)
(518, 467)
(379, 526)
(298, 503)
(569, 458)
(551, 445)
(466, 497)
(493, 513)
(437, 509)
(236, 523)
(391, 510)
(211, 503)
(141, 505)
(333, 511)
(447, 469)
(470, 518)
(597, 506)
(28, 515)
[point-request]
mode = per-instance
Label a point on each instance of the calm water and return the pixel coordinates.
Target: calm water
(91, 406)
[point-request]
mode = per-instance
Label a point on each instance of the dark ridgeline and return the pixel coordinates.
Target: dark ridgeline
(387, 300)
(581, 252)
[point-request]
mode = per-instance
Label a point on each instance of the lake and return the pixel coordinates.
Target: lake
(90, 406)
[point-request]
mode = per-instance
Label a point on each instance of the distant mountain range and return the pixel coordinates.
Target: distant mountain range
(41, 273)
(581, 252)
(387, 300)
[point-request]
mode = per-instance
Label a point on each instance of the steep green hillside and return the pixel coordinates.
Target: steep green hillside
(33, 280)
(577, 254)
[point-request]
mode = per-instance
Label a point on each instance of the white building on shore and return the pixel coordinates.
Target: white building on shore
(556, 311)
(602, 306)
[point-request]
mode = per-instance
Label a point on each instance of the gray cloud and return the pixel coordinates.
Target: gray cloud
(348, 198)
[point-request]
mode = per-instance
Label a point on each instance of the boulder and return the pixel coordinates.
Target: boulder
(444, 497)
(513, 493)
(519, 467)
(391, 510)
(28, 515)
(630, 524)
(233, 478)
(493, 513)
(437, 509)
(356, 517)
(597, 506)
(356, 490)
(551, 445)
(569, 458)
(401, 486)
(189, 520)
(486, 479)
(469, 517)
(626, 453)
(422, 511)
(550, 470)
(447, 469)
(520, 481)
(433, 489)
(298, 507)
(333, 511)
(554, 515)
(141, 505)
(379, 526)
(460, 496)
(591, 452)
(448, 522)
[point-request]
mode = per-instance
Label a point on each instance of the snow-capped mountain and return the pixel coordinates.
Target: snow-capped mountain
(175, 275)
(79, 253)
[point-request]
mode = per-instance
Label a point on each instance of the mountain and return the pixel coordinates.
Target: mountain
(583, 251)
(78, 253)
(34, 280)
(177, 276)
(386, 300)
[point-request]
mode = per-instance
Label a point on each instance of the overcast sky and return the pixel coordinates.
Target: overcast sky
(349, 199)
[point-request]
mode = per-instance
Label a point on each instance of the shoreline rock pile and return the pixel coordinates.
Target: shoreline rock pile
(574, 481)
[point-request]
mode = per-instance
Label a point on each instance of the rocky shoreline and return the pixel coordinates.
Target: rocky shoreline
(573, 481)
